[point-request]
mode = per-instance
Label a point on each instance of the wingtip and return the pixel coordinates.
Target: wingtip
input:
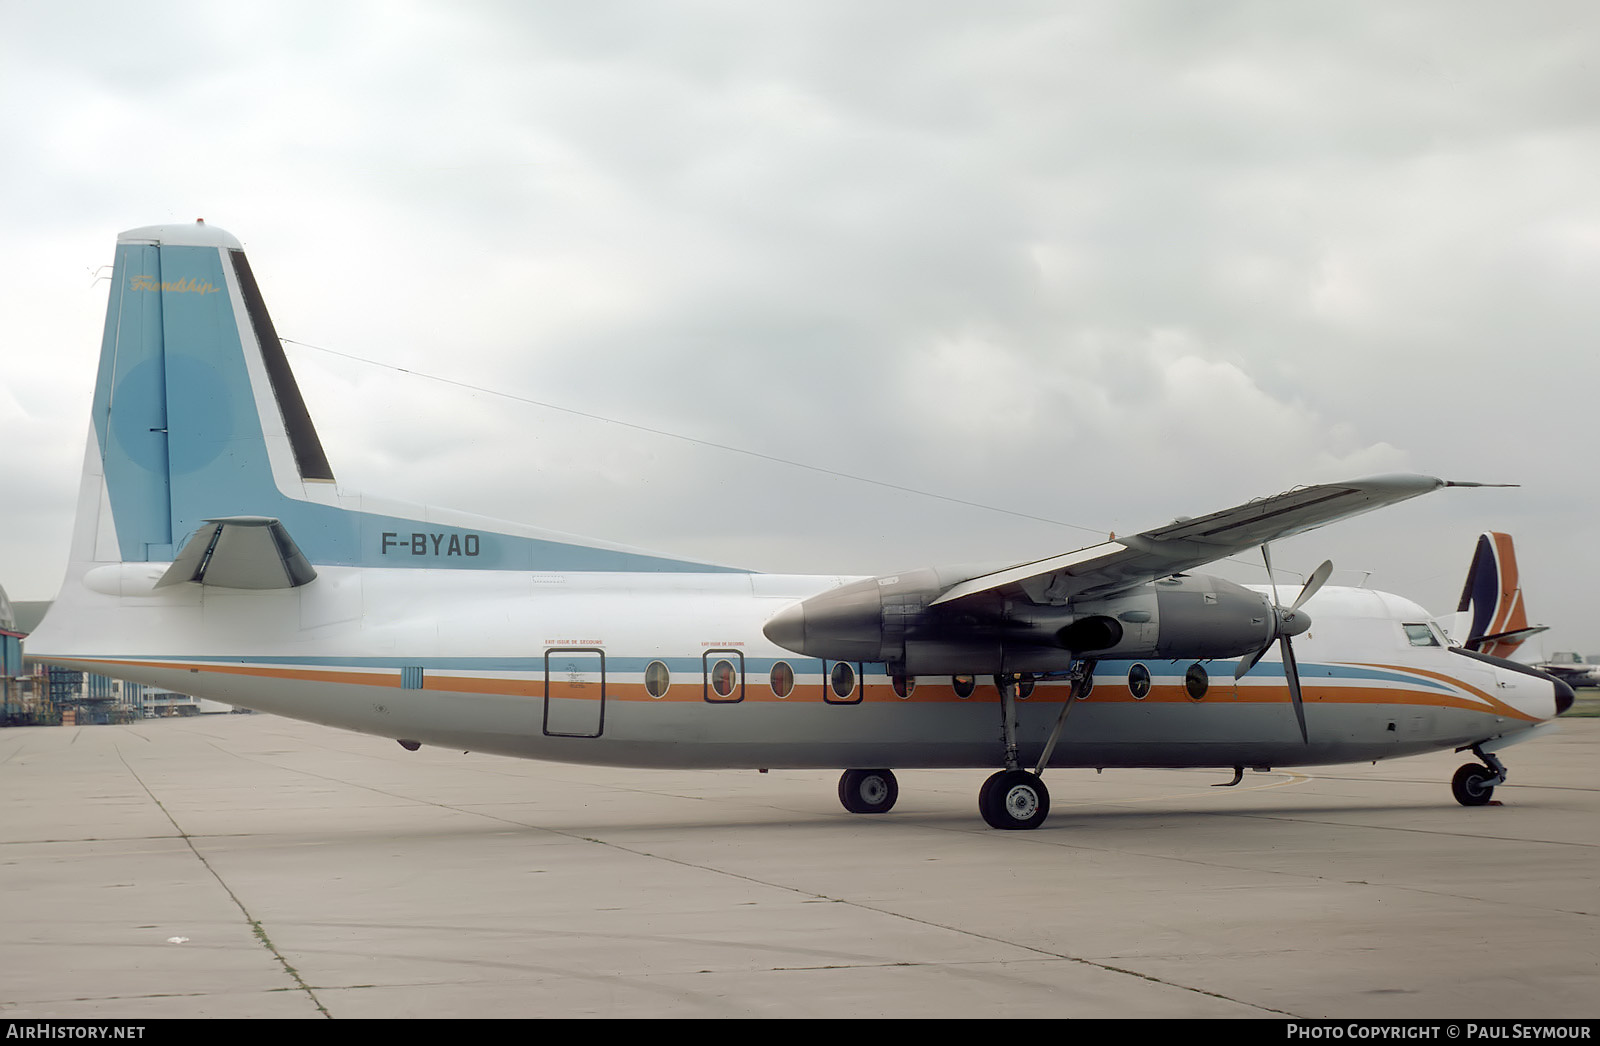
(1397, 482)
(1402, 480)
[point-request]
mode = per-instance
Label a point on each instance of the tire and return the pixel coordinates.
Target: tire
(1468, 785)
(868, 791)
(1014, 800)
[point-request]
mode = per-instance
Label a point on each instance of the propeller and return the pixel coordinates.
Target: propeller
(1288, 621)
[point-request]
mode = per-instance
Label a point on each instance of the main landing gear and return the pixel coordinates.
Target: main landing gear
(1473, 785)
(1014, 800)
(868, 791)
(1011, 799)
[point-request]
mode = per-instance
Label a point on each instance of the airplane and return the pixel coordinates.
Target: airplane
(214, 554)
(1570, 668)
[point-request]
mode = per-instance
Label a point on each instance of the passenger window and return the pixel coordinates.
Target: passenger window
(657, 679)
(1139, 682)
(782, 679)
(963, 685)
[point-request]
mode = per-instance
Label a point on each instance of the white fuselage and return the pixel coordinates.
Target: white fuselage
(554, 666)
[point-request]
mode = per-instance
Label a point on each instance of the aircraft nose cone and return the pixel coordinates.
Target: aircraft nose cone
(1564, 696)
(787, 628)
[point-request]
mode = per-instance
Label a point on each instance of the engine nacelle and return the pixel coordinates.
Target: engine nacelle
(888, 619)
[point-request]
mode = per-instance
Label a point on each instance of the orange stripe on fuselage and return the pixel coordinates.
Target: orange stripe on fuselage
(1499, 706)
(370, 677)
(811, 692)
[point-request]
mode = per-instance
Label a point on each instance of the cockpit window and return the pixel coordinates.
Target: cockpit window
(1420, 635)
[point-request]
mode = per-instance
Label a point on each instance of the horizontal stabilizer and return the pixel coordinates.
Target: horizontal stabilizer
(241, 552)
(1483, 643)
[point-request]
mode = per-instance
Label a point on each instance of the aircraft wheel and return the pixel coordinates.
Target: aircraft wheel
(1014, 800)
(868, 791)
(1469, 785)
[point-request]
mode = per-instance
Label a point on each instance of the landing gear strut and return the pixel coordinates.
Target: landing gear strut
(1473, 785)
(868, 791)
(1013, 799)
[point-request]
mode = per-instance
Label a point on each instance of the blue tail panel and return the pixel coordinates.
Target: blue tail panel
(198, 417)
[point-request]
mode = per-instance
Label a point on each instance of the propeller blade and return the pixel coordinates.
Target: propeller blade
(1250, 662)
(1291, 673)
(1318, 578)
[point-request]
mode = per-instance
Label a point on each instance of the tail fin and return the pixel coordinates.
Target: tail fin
(200, 438)
(184, 425)
(1493, 595)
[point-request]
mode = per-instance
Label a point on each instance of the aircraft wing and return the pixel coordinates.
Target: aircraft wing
(1124, 563)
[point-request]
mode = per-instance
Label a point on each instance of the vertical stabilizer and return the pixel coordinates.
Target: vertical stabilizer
(197, 421)
(179, 428)
(1493, 595)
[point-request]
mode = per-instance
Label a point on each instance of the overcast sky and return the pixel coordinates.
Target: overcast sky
(1100, 263)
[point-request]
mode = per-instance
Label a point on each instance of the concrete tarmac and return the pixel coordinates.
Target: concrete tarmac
(250, 866)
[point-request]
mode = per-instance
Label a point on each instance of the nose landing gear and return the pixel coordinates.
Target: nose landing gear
(1473, 785)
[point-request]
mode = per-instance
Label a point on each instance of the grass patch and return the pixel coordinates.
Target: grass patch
(1587, 705)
